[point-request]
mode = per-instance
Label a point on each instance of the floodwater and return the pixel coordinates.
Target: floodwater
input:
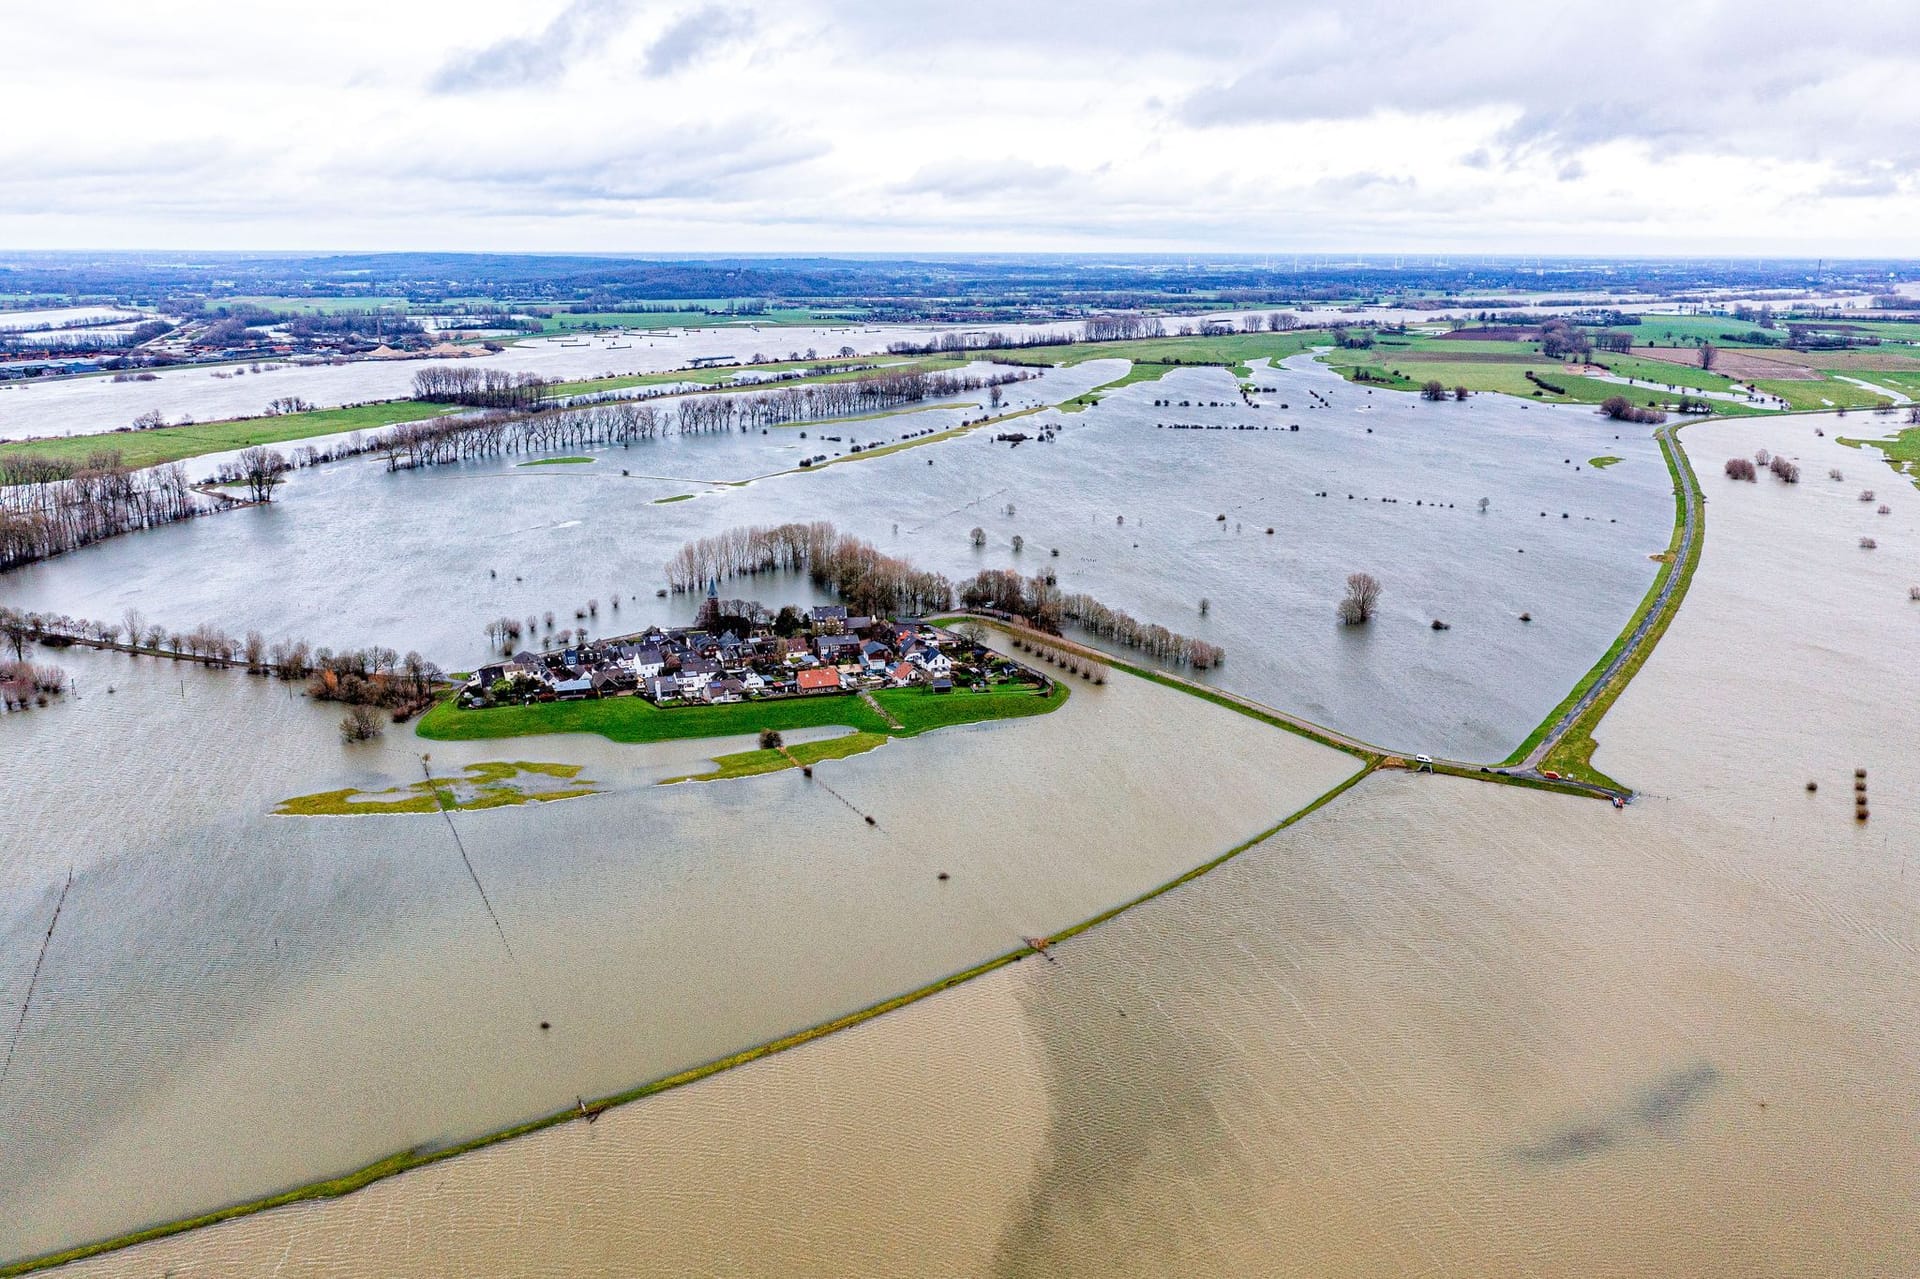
(86, 406)
(1438, 1027)
(350, 554)
(234, 1002)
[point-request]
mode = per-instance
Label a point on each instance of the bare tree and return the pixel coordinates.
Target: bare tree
(263, 470)
(1362, 598)
(978, 536)
(1708, 353)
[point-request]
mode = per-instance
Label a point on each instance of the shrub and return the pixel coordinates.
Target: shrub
(1788, 472)
(1866, 495)
(1868, 544)
(359, 724)
(770, 739)
(1739, 468)
(1835, 474)
(1885, 509)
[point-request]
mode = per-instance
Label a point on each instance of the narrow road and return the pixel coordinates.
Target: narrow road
(1689, 529)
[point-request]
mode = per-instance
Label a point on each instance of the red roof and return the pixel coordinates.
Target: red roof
(827, 678)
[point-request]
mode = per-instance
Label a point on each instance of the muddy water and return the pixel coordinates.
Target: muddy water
(1437, 1027)
(235, 1002)
(350, 554)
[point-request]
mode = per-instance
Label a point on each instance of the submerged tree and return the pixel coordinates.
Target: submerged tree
(1362, 598)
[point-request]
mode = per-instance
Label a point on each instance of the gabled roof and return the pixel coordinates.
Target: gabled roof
(826, 677)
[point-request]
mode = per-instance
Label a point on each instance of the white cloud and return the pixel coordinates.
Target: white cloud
(803, 124)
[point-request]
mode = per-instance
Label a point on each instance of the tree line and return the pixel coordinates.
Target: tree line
(48, 507)
(479, 388)
(866, 579)
(1041, 604)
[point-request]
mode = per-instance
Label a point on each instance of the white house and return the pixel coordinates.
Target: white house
(648, 662)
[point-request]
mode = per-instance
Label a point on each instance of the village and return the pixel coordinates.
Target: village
(741, 655)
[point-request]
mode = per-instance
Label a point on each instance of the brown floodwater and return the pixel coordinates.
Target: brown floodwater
(235, 1002)
(1437, 1027)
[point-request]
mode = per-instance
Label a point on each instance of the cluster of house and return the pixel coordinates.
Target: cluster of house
(832, 653)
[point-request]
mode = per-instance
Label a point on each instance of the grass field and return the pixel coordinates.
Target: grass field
(755, 762)
(559, 461)
(1902, 450)
(697, 319)
(495, 784)
(634, 719)
(177, 443)
(1138, 372)
(721, 378)
(1228, 349)
(1821, 395)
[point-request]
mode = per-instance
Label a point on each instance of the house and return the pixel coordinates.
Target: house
(648, 662)
(828, 613)
(696, 673)
(823, 680)
(571, 689)
(660, 688)
(932, 661)
(904, 674)
(834, 648)
(726, 690)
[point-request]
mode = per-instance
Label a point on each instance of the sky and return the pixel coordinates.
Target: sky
(1694, 128)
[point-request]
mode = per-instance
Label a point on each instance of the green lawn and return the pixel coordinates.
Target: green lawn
(634, 719)
(1602, 463)
(176, 443)
(558, 461)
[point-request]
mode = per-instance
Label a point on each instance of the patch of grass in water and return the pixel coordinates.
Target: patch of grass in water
(559, 461)
(753, 763)
(1602, 463)
(493, 784)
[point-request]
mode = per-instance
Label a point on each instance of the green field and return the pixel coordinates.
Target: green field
(778, 317)
(495, 784)
(1902, 451)
(559, 461)
(176, 443)
(1821, 395)
(634, 719)
(1139, 372)
(755, 762)
(1228, 349)
(721, 379)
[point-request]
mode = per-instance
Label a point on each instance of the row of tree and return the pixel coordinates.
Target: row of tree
(479, 388)
(1039, 601)
(867, 580)
(43, 513)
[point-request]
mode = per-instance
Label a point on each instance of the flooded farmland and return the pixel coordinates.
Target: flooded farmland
(235, 1002)
(1437, 1026)
(1379, 482)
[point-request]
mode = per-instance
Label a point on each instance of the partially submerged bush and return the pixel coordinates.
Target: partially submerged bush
(1788, 472)
(1621, 409)
(1868, 544)
(1739, 468)
(1834, 474)
(770, 739)
(360, 724)
(1866, 495)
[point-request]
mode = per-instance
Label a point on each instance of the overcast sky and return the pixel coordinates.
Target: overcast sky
(595, 125)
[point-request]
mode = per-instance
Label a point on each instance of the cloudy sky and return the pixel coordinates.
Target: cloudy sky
(1746, 127)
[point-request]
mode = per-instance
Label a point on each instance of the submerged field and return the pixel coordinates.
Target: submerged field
(1435, 1025)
